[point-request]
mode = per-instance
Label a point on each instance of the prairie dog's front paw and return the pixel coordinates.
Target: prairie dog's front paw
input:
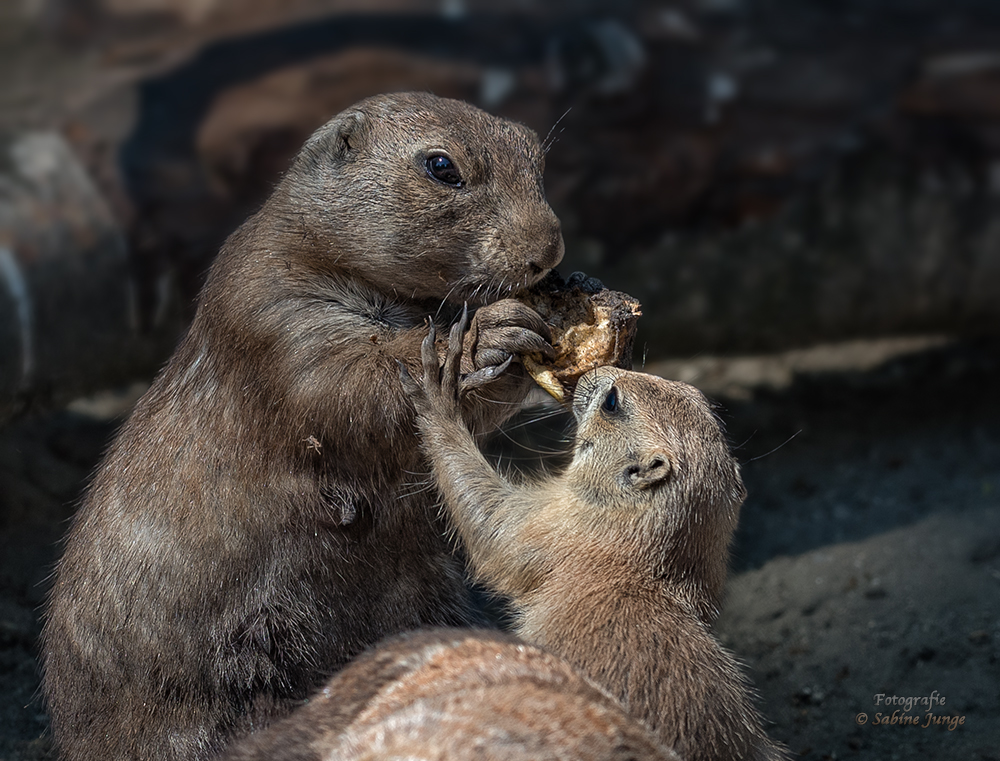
(437, 392)
(506, 330)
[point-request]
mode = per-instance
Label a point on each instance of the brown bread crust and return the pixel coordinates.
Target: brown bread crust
(591, 326)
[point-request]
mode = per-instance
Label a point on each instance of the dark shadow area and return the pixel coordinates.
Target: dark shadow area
(871, 451)
(172, 106)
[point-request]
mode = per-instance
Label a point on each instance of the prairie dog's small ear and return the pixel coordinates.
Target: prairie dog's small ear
(341, 137)
(350, 133)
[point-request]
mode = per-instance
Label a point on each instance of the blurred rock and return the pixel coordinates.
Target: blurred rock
(67, 297)
(882, 247)
(252, 131)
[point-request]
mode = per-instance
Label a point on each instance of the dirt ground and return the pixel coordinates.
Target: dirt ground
(866, 568)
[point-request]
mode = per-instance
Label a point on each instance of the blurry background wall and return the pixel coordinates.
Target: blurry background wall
(762, 174)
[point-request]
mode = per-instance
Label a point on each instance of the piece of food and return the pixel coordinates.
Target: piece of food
(590, 328)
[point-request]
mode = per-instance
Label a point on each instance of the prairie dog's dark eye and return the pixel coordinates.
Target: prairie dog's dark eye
(610, 403)
(443, 169)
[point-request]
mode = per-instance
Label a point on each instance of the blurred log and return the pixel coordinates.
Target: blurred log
(881, 247)
(67, 298)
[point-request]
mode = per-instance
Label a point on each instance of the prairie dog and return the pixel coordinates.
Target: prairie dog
(617, 564)
(456, 695)
(255, 525)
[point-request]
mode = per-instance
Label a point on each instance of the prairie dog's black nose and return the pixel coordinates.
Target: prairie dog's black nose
(550, 248)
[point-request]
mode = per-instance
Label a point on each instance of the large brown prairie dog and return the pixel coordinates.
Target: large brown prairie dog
(456, 695)
(255, 525)
(618, 563)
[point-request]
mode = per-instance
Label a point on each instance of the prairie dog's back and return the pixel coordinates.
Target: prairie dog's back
(456, 694)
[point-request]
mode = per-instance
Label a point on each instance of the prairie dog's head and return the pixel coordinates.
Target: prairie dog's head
(652, 459)
(426, 197)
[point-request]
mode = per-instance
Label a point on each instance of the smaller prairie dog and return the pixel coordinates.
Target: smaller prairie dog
(450, 694)
(618, 564)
